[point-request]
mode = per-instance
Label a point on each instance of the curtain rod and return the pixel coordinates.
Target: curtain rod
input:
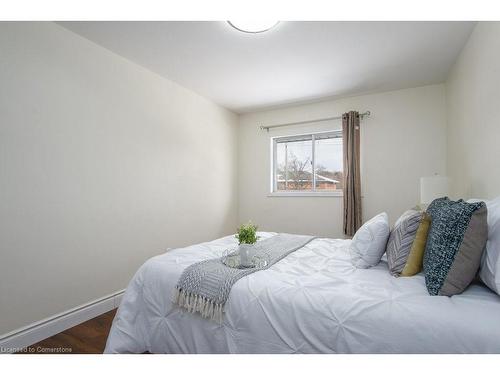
(361, 115)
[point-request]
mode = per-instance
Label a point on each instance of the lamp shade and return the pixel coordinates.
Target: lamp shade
(432, 188)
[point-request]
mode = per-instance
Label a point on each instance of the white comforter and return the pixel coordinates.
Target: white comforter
(313, 301)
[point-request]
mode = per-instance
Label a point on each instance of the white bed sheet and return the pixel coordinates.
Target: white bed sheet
(313, 301)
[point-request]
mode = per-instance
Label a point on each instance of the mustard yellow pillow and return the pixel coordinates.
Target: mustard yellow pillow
(416, 257)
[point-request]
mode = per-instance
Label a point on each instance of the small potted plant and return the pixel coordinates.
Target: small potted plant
(247, 236)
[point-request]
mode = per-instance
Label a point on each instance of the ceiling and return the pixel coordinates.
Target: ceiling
(294, 62)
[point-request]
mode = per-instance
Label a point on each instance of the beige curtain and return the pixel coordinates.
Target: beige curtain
(352, 179)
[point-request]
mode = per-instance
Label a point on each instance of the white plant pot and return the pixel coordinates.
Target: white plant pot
(246, 254)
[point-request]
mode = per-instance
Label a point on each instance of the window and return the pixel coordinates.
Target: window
(310, 163)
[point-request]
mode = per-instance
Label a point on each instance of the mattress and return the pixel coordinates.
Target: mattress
(313, 301)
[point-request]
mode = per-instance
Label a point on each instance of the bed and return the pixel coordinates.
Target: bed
(313, 301)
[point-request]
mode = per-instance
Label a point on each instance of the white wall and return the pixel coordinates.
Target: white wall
(103, 164)
(403, 140)
(473, 110)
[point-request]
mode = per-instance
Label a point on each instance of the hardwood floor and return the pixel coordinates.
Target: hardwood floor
(86, 338)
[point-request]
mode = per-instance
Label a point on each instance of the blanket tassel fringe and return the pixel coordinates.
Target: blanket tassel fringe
(196, 303)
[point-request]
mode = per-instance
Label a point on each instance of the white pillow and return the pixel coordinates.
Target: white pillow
(489, 272)
(369, 242)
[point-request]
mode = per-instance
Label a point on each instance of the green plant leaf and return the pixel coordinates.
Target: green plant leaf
(247, 233)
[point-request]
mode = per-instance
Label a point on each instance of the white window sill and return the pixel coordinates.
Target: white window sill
(306, 194)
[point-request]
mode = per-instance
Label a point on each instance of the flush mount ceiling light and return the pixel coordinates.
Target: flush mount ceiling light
(253, 27)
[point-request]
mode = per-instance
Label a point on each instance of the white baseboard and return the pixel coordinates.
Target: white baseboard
(35, 332)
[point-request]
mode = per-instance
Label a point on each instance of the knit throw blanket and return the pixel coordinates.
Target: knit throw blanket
(204, 287)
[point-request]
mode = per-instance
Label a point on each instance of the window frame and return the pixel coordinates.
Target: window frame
(301, 193)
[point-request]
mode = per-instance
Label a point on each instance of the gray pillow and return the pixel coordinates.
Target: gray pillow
(400, 241)
(456, 240)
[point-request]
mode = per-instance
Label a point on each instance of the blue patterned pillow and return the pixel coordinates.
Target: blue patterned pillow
(457, 237)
